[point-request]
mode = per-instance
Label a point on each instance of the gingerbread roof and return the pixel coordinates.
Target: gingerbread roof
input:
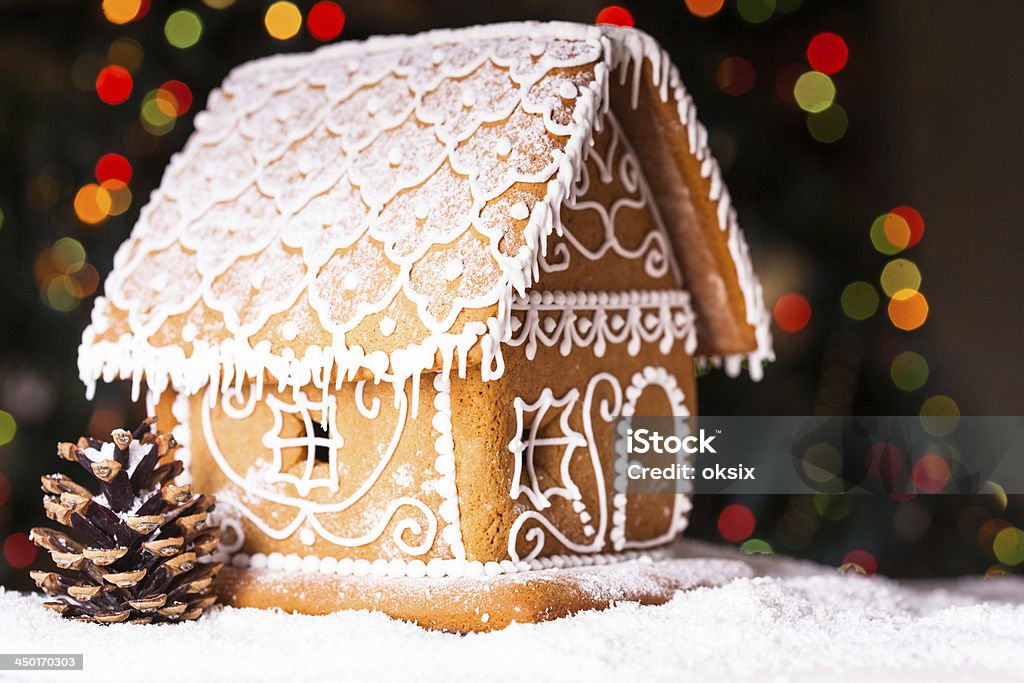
(374, 207)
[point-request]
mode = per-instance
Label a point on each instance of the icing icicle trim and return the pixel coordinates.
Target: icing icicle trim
(247, 104)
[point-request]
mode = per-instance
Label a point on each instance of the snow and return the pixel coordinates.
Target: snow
(793, 621)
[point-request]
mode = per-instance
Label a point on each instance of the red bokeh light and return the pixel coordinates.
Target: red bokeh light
(325, 21)
(792, 312)
(113, 167)
(931, 473)
(862, 559)
(885, 461)
(735, 76)
(827, 53)
(615, 15)
(182, 96)
(914, 221)
(736, 522)
(114, 84)
(19, 551)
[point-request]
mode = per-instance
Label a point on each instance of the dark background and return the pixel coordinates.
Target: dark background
(933, 96)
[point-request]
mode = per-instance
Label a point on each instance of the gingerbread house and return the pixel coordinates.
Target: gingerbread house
(391, 294)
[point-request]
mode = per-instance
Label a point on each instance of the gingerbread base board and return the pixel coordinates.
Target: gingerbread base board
(472, 605)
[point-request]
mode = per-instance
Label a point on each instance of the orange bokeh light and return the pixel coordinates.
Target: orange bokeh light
(704, 8)
(908, 309)
(92, 203)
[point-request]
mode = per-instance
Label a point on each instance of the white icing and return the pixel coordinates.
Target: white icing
(408, 516)
(275, 105)
(530, 415)
(444, 446)
(436, 568)
(572, 320)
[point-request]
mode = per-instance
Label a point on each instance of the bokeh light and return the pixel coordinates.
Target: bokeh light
(158, 112)
(704, 8)
(939, 415)
(92, 204)
(127, 53)
(326, 20)
(735, 76)
(183, 29)
(827, 53)
(283, 20)
(736, 523)
(859, 561)
(615, 15)
(120, 196)
(179, 94)
(908, 309)
(8, 428)
(859, 300)
(822, 462)
(931, 473)
(63, 276)
(792, 312)
(755, 11)
(1008, 546)
(890, 234)
(19, 550)
(124, 11)
(915, 223)
(900, 274)
(814, 92)
(218, 4)
(756, 546)
(113, 167)
(909, 371)
(114, 84)
(828, 126)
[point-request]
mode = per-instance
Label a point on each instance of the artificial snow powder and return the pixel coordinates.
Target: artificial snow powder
(796, 621)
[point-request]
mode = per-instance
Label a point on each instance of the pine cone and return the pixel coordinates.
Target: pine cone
(141, 537)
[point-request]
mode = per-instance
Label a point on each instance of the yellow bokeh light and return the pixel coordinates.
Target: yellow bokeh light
(939, 415)
(909, 371)
(158, 112)
(908, 309)
(8, 428)
(92, 204)
(218, 4)
(1008, 546)
(814, 92)
(183, 29)
(121, 11)
(859, 300)
(67, 255)
(900, 274)
(283, 20)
